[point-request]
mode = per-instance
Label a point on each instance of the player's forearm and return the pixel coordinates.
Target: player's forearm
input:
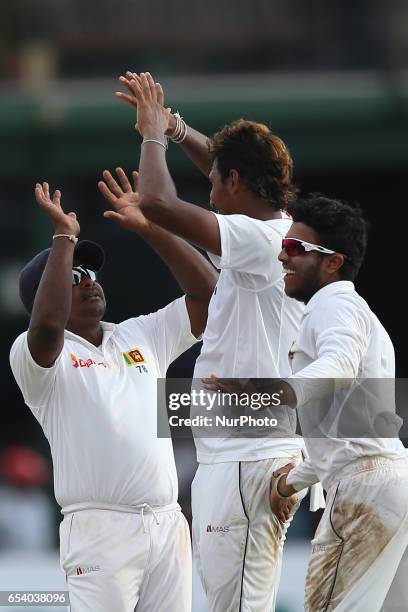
(196, 146)
(160, 205)
(155, 182)
(52, 304)
(193, 272)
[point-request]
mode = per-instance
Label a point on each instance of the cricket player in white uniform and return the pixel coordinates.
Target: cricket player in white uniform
(92, 386)
(237, 540)
(359, 560)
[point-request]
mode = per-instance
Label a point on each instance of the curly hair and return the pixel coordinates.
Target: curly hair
(339, 226)
(261, 159)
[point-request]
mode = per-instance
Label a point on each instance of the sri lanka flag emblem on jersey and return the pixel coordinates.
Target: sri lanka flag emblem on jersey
(133, 357)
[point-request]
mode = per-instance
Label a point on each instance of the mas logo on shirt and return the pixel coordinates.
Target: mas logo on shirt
(133, 357)
(218, 528)
(87, 570)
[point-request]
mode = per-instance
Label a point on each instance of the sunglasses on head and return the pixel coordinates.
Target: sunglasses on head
(295, 247)
(79, 272)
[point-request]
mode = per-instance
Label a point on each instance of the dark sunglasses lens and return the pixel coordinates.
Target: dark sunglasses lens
(79, 273)
(292, 247)
(76, 277)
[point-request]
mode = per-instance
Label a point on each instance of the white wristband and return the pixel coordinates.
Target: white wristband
(180, 131)
(162, 144)
(70, 237)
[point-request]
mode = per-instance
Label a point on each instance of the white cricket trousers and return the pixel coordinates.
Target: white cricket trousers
(359, 560)
(118, 561)
(237, 540)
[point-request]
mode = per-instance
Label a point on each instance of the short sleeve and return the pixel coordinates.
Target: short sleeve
(248, 245)
(36, 383)
(169, 330)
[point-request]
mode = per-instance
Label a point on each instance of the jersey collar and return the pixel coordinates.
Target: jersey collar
(107, 328)
(327, 291)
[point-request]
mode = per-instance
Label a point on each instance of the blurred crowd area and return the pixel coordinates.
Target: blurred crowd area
(329, 78)
(78, 37)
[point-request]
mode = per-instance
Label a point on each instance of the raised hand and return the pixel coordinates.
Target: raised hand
(124, 199)
(64, 223)
(125, 80)
(147, 97)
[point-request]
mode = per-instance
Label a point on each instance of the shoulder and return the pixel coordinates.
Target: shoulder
(249, 224)
(19, 347)
(343, 309)
(145, 323)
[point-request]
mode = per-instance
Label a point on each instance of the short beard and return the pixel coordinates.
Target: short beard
(304, 294)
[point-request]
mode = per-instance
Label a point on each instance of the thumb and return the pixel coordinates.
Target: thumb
(72, 214)
(111, 214)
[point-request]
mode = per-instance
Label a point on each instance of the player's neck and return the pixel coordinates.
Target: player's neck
(90, 331)
(258, 208)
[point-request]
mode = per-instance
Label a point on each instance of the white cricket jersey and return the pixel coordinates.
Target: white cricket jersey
(251, 325)
(339, 338)
(97, 407)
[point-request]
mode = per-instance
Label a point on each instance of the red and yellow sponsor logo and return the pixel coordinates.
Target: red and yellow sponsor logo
(86, 363)
(133, 357)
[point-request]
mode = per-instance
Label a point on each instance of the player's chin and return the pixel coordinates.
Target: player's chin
(291, 285)
(293, 288)
(94, 308)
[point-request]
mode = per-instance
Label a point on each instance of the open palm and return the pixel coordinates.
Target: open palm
(124, 199)
(64, 223)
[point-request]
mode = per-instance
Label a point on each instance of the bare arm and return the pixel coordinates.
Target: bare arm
(52, 304)
(195, 275)
(159, 200)
(195, 145)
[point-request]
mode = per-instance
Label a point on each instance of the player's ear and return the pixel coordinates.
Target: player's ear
(334, 263)
(234, 179)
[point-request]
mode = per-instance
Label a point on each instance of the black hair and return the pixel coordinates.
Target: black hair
(261, 158)
(339, 226)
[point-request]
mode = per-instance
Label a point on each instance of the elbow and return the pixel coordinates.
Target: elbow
(207, 286)
(210, 285)
(152, 206)
(348, 367)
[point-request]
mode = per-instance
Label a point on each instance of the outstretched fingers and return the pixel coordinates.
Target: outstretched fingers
(112, 184)
(111, 214)
(160, 94)
(56, 198)
(141, 88)
(123, 179)
(42, 195)
(128, 80)
(39, 194)
(133, 75)
(152, 86)
(129, 99)
(148, 87)
(133, 84)
(107, 194)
